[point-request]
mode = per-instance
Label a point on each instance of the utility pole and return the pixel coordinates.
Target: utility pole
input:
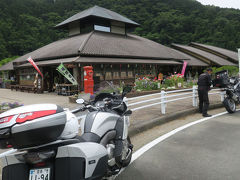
(239, 63)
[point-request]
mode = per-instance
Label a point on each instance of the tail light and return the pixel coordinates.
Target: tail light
(35, 157)
(5, 119)
(33, 115)
(41, 164)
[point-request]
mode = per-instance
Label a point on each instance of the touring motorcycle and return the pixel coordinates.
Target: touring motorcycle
(231, 85)
(49, 146)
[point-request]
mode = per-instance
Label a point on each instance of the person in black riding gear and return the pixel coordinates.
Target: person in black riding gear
(204, 83)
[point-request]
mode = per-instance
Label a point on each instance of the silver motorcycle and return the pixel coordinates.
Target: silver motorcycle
(231, 87)
(48, 145)
(232, 97)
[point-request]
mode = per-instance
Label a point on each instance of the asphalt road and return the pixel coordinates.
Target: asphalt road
(208, 150)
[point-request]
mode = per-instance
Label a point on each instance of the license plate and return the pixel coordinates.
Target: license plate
(39, 174)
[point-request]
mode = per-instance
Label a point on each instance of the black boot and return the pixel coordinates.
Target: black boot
(207, 115)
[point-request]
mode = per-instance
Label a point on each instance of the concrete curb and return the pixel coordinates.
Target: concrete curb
(148, 124)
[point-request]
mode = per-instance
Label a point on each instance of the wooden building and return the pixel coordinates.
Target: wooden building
(101, 38)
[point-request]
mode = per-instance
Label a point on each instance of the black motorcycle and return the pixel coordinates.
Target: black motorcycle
(231, 85)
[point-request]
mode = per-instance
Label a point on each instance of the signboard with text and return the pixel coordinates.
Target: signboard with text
(63, 70)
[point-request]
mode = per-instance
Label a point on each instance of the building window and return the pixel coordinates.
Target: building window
(130, 74)
(115, 75)
(108, 76)
(101, 28)
(86, 28)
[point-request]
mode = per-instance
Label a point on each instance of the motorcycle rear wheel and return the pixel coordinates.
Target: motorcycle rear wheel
(230, 105)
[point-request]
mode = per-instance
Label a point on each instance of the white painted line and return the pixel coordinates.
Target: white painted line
(148, 146)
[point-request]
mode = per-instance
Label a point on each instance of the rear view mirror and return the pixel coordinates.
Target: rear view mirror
(128, 113)
(127, 89)
(80, 101)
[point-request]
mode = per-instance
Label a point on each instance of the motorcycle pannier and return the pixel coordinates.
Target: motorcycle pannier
(31, 125)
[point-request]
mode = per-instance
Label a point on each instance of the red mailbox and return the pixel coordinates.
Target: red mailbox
(88, 79)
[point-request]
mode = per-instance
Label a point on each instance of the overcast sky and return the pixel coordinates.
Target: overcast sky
(222, 3)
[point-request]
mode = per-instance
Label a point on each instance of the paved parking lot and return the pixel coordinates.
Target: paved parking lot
(208, 150)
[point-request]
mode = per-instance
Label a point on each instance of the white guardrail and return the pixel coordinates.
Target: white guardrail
(164, 95)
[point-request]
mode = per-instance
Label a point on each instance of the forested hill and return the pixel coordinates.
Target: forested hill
(26, 25)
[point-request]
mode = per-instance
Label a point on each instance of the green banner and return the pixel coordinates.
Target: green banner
(62, 70)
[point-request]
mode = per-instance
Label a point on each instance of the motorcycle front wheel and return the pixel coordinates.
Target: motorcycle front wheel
(125, 159)
(230, 105)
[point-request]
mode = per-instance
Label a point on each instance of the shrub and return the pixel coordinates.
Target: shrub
(232, 70)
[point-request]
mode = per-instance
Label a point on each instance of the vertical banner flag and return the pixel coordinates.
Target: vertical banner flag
(184, 67)
(34, 65)
(239, 62)
(62, 70)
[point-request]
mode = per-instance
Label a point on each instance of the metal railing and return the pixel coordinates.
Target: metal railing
(164, 96)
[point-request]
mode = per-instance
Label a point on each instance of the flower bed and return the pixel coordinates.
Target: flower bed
(6, 106)
(146, 84)
(172, 82)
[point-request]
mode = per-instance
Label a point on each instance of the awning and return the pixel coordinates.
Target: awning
(124, 61)
(101, 60)
(51, 62)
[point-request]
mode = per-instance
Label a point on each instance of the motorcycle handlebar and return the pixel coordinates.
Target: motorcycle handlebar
(78, 110)
(88, 106)
(116, 103)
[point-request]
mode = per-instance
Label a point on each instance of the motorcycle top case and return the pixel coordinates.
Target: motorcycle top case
(222, 79)
(31, 125)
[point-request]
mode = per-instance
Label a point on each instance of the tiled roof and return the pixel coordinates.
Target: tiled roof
(109, 44)
(102, 44)
(200, 54)
(231, 54)
(58, 49)
(192, 61)
(7, 67)
(98, 12)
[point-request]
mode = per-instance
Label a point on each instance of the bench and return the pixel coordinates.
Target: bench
(24, 88)
(28, 88)
(16, 87)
